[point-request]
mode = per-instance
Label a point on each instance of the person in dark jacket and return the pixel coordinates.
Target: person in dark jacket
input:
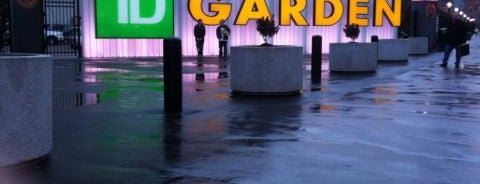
(199, 32)
(223, 34)
(456, 36)
(2, 31)
(2, 39)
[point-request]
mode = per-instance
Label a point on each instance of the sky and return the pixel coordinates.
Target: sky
(459, 3)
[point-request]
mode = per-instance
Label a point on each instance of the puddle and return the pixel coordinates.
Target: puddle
(68, 100)
(90, 69)
(322, 108)
(208, 77)
(147, 64)
(196, 180)
(201, 65)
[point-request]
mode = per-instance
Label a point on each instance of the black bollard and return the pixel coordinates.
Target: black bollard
(172, 72)
(316, 58)
(374, 38)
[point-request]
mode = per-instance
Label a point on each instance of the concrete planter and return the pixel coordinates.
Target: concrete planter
(418, 45)
(25, 108)
(393, 50)
(353, 57)
(266, 70)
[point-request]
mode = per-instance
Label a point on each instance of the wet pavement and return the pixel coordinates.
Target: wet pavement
(410, 122)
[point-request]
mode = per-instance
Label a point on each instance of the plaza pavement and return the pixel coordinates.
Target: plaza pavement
(411, 122)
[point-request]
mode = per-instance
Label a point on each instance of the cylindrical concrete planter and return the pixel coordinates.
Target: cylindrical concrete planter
(353, 57)
(25, 107)
(418, 45)
(393, 50)
(276, 70)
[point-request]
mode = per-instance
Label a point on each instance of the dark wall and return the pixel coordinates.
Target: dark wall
(423, 25)
(26, 26)
(405, 28)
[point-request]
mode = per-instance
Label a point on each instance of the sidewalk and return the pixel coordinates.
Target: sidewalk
(410, 122)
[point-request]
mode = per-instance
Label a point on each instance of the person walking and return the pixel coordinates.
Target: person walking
(456, 36)
(199, 32)
(2, 39)
(223, 34)
(2, 31)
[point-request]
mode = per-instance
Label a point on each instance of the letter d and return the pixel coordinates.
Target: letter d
(123, 11)
(135, 17)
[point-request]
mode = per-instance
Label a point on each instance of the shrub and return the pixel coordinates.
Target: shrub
(267, 28)
(352, 31)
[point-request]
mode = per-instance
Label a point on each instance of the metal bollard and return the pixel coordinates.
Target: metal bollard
(374, 38)
(172, 71)
(316, 58)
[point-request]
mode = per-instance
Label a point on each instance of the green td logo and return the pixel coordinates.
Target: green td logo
(134, 18)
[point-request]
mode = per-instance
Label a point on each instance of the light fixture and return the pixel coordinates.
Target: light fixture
(464, 15)
(461, 13)
(456, 9)
(449, 4)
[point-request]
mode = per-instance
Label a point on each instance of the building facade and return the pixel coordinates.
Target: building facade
(241, 34)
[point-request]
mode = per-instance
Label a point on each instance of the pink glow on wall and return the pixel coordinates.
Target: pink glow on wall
(241, 35)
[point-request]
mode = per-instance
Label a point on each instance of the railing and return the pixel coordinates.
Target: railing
(62, 27)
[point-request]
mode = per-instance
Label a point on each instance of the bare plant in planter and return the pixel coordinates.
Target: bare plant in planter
(267, 28)
(352, 31)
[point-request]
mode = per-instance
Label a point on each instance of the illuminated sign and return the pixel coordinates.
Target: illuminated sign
(134, 18)
(291, 10)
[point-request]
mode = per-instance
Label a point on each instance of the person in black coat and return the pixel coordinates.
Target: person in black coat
(199, 32)
(223, 34)
(3, 30)
(2, 39)
(456, 36)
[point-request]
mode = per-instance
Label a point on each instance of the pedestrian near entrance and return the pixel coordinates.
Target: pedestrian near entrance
(2, 31)
(456, 36)
(2, 41)
(223, 34)
(199, 32)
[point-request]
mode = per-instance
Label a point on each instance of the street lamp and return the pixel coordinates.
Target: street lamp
(456, 10)
(449, 6)
(461, 13)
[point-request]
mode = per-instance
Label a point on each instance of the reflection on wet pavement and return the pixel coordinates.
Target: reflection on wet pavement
(408, 123)
(71, 100)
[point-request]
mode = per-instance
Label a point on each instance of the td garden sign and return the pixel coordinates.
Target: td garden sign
(291, 10)
(134, 18)
(155, 18)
